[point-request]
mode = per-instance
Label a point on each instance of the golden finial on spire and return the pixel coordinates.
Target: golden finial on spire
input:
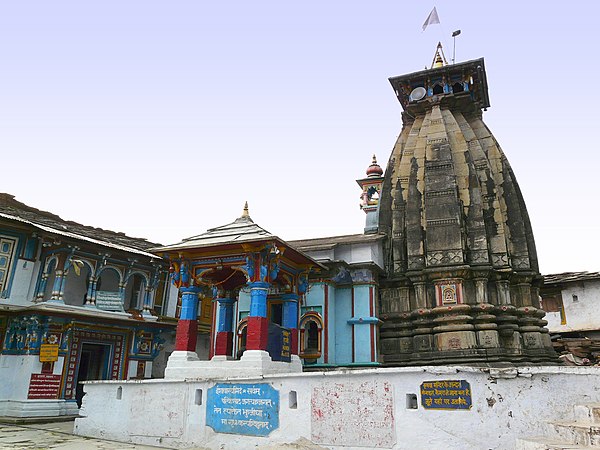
(245, 212)
(439, 59)
(374, 159)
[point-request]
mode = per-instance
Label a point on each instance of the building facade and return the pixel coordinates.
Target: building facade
(446, 269)
(445, 272)
(571, 300)
(77, 303)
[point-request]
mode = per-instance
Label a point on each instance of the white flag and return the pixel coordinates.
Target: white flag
(431, 18)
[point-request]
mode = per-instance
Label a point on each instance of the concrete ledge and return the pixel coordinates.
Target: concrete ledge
(253, 363)
(26, 420)
(38, 408)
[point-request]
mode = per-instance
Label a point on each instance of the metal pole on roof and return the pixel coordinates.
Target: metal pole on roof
(454, 34)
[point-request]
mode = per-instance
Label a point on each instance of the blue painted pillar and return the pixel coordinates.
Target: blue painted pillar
(258, 324)
(224, 338)
(147, 299)
(89, 297)
(42, 288)
(93, 290)
(187, 327)
(290, 318)
(57, 286)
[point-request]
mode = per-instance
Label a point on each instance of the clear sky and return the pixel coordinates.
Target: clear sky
(160, 118)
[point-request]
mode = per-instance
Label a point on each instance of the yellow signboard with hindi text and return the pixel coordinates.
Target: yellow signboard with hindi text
(49, 352)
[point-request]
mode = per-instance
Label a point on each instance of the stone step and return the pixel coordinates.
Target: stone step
(587, 413)
(542, 443)
(579, 432)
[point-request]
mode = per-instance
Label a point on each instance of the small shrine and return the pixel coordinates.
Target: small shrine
(227, 265)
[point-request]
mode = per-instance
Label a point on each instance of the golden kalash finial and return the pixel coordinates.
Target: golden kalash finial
(245, 212)
(439, 59)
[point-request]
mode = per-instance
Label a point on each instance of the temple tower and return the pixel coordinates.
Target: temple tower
(369, 198)
(462, 273)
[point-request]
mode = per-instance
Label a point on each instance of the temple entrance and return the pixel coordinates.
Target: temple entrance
(93, 365)
(276, 312)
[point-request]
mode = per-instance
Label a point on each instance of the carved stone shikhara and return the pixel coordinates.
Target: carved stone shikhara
(462, 276)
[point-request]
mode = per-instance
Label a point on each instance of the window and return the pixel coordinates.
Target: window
(554, 303)
(457, 87)
(311, 326)
(7, 253)
(135, 292)
(159, 297)
(276, 312)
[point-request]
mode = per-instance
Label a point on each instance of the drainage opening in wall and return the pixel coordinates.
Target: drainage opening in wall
(293, 397)
(119, 393)
(411, 401)
(198, 397)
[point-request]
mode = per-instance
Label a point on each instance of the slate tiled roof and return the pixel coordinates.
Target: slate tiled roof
(327, 243)
(570, 277)
(12, 209)
(242, 229)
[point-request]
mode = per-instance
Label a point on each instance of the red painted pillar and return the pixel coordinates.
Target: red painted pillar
(258, 323)
(187, 327)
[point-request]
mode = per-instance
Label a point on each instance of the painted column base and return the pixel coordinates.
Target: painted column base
(253, 363)
(294, 343)
(187, 332)
(148, 316)
(224, 343)
(258, 333)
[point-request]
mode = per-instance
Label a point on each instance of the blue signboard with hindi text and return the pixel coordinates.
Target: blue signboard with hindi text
(250, 409)
(446, 394)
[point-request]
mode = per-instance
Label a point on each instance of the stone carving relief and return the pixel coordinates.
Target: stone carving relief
(443, 258)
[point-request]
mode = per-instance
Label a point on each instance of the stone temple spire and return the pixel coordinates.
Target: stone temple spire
(462, 272)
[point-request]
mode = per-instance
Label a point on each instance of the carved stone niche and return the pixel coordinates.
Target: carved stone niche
(448, 292)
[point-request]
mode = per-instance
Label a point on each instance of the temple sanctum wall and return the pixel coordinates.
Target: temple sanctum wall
(396, 408)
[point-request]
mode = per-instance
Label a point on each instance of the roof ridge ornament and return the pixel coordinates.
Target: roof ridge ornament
(245, 217)
(439, 59)
(374, 170)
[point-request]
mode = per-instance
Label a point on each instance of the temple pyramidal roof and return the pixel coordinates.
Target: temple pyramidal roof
(242, 229)
(12, 209)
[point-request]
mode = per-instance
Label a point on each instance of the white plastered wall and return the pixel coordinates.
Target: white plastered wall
(506, 404)
(582, 314)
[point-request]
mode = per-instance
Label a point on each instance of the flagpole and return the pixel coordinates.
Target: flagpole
(454, 34)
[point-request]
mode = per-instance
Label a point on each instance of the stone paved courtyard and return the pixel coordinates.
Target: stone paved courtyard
(58, 435)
